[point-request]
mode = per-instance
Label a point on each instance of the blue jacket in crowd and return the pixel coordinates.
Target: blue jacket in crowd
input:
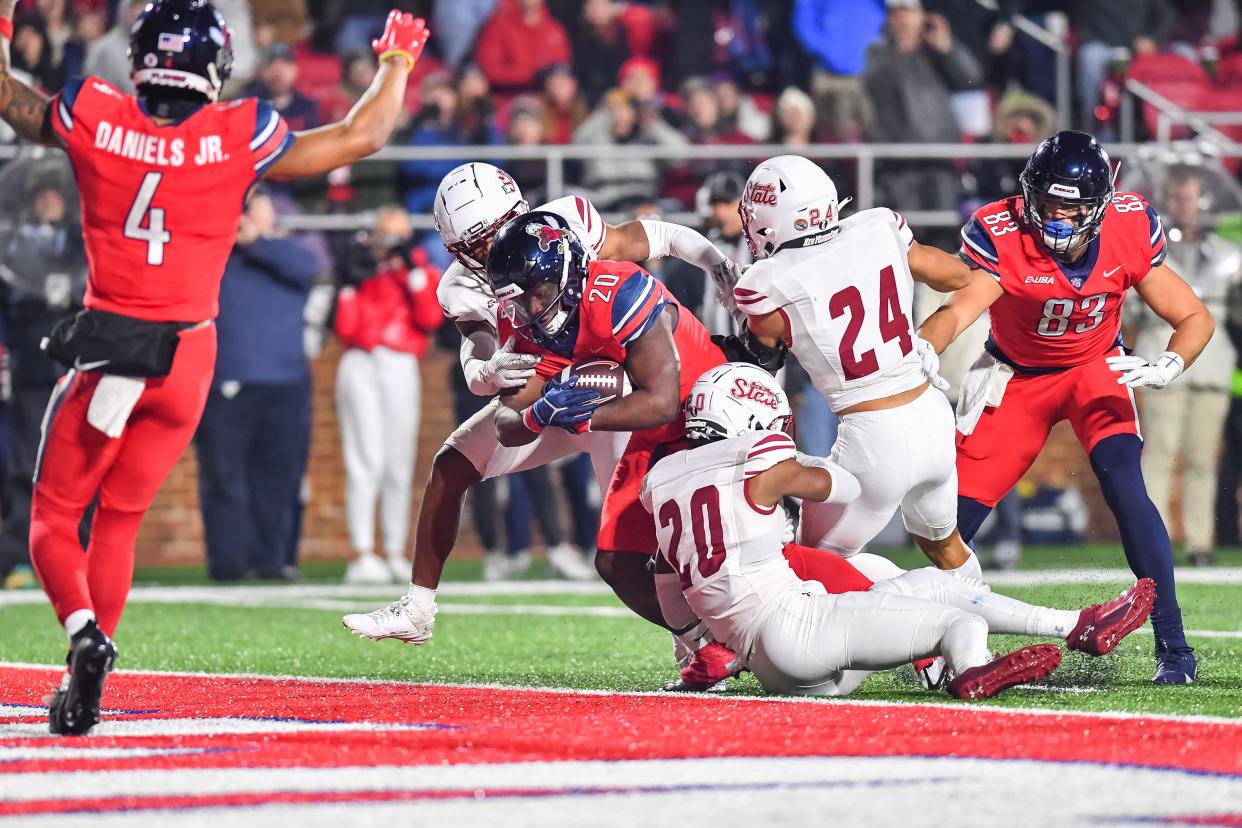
(262, 299)
(836, 33)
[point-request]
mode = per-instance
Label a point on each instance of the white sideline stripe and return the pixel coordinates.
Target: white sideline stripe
(710, 697)
(243, 595)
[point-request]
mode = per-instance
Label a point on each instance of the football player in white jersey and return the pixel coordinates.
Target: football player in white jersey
(472, 203)
(720, 527)
(839, 295)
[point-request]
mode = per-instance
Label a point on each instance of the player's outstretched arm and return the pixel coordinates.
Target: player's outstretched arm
(937, 269)
(370, 123)
(1168, 295)
(810, 478)
(655, 370)
(643, 239)
(21, 106)
(960, 310)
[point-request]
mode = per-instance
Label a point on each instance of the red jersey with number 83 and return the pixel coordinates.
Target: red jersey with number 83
(848, 305)
(1055, 315)
(161, 204)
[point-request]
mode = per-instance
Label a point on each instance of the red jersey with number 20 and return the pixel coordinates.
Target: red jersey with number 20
(1055, 315)
(161, 204)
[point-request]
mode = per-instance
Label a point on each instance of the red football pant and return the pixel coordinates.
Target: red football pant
(1008, 438)
(77, 461)
(836, 573)
(624, 525)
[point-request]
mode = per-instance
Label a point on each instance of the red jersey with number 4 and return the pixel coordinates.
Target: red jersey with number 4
(1053, 314)
(620, 303)
(161, 204)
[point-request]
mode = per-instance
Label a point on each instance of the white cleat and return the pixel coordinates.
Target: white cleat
(369, 569)
(565, 561)
(401, 620)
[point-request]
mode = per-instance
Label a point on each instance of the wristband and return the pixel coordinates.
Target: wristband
(6, 28)
(396, 53)
(528, 420)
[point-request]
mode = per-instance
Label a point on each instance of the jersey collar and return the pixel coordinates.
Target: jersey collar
(1077, 273)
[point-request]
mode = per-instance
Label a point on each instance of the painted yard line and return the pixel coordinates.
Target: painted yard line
(450, 608)
(716, 697)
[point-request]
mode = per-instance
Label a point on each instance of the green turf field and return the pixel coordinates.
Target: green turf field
(498, 639)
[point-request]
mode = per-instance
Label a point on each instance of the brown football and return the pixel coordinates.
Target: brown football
(602, 375)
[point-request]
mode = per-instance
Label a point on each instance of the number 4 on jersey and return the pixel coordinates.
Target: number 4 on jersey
(893, 324)
(141, 212)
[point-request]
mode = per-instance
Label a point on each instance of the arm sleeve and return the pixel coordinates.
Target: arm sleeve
(476, 350)
(1155, 230)
(637, 306)
(752, 297)
(978, 250)
(464, 298)
(903, 229)
(667, 239)
(272, 137)
(767, 451)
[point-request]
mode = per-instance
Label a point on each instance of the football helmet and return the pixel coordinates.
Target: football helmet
(537, 267)
(788, 201)
(734, 399)
(1068, 174)
(472, 203)
(181, 45)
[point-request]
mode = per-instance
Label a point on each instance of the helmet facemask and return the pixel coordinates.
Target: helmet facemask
(471, 250)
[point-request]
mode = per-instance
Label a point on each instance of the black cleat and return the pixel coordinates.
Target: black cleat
(74, 707)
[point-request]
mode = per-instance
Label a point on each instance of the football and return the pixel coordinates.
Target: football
(603, 375)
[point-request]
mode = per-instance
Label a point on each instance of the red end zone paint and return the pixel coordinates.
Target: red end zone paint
(408, 724)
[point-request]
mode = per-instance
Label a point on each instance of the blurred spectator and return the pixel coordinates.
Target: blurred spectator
(525, 129)
(60, 27)
(909, 78)
(254, 438)
(44, 278)
(740, 113)
(241, 33)
(367, 185)
(476, 107)
(836, 34)
(600, 48)
(517, 41)
(563, 106)
(277, 82)
(1021, 118)
(32, 54)
(383, 319)
(640, 78)
(794, 119)
(691, 46)
(987, 33)
(284, 20)
(357, 22)
(438, 123)
(1134, 26)
(1186, 418)
(455, 24)
(532, 495)
(703, 125)
(615, 178)
(108, 57)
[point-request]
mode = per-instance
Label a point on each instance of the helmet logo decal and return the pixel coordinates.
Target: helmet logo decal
(150, 60)
(547, 236)
(744, 389)
(507, 184)
(760, 194)
(1063, 190)
(170, 42)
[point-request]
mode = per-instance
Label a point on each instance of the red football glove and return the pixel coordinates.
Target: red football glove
(404, 35)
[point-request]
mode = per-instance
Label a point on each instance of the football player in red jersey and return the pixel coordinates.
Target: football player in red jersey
(164, 176)
(1053, 266)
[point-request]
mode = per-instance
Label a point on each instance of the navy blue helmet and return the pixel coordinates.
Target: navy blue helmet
(537, 267)
(1066, 187)
(179, 47)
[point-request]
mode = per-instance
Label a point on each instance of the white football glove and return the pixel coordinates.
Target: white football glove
(931, 364)
(725, 275)
(1137, 372)
(506, 369)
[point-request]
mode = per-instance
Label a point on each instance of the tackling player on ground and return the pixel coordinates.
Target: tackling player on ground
(1053, 266)
(720, 527)
(164, 177)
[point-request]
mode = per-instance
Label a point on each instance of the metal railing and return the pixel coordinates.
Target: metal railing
(1170, 114)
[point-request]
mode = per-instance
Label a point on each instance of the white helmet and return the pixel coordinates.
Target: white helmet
(733, 399)
(472, 203)
(789, 201)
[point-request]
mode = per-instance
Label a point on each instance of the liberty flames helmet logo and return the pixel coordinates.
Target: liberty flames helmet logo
(548, 236)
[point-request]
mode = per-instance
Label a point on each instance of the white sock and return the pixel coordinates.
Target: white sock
(971, 569)
(77, 620)
(421, 597)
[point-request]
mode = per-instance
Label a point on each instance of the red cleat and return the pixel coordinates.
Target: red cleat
(1027, 664)
(710, 665)
(1101, 627)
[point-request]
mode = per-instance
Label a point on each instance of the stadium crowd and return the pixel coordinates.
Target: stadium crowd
(592, 72)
